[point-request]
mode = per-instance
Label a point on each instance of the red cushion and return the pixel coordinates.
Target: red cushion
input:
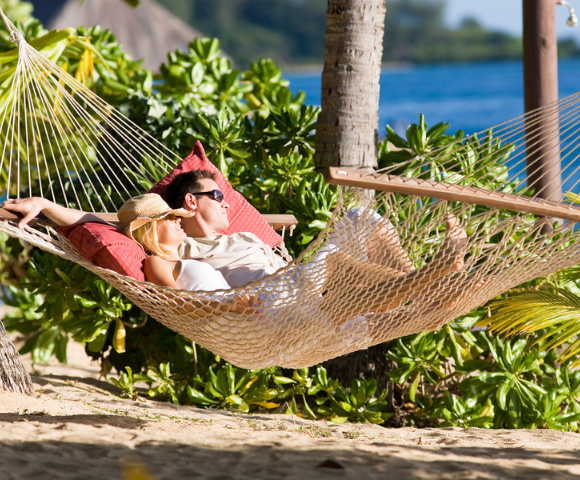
(107, 247)
(242, 215)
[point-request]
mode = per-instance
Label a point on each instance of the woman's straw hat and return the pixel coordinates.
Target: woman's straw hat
(143, 209)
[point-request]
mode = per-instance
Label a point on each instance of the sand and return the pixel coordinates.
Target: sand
(78, 428)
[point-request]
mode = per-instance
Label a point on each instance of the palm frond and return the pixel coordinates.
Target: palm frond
(570, 274)
(556, 310)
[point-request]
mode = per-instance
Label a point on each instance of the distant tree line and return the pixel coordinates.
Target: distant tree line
(292, 31)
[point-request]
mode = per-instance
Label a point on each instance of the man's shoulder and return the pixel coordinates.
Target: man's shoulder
(200, 244)
(245, 236)
(190, 248)
(190, 240)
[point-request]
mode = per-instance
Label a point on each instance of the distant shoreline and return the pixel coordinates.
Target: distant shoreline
(315, 69)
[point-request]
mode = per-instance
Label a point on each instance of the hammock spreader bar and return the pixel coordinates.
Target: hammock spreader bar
(277, 222)
(452, 193)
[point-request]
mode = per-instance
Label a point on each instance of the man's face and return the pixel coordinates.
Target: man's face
(209, 215)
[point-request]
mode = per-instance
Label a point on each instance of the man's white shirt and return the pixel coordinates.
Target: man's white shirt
(240, 257)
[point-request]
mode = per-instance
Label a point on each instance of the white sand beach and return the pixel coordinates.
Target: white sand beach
(78, 428)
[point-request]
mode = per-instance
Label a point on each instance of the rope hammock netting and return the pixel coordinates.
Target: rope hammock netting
(362, 282)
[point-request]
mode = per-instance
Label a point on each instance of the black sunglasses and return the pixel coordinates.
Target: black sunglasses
(216, 195)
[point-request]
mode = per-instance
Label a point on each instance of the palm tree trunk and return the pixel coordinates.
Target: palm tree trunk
(13, 375)
(347, 128)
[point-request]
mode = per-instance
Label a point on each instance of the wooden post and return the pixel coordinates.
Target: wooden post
(540, 90)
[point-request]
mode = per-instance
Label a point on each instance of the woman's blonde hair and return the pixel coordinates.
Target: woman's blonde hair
(146, 236)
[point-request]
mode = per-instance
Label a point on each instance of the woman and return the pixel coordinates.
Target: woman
(149, 221)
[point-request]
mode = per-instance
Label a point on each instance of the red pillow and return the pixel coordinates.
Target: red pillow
(242, 215)
(107, 247)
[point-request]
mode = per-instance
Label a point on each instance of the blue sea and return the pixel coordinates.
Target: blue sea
(471, 97)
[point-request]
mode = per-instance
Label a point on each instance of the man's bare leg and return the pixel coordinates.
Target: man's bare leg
(452, 250)
(364, 297)
(385, 249)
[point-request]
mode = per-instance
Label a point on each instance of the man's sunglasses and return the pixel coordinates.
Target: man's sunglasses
(216, 195)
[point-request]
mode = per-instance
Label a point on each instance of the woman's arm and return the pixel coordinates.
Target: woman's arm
(62, 216)
(160, 272)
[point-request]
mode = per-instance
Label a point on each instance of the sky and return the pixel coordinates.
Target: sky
(505, 15)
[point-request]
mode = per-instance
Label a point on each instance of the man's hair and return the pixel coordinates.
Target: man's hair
(184, 183)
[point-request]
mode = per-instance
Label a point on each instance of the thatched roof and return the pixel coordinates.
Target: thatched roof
(147, 32)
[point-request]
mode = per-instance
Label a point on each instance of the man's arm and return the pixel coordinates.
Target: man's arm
(62, 216)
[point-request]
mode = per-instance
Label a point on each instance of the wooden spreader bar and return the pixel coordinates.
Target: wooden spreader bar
(277, 222)
(454, 193)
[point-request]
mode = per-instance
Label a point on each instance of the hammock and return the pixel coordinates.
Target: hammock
(65, 143)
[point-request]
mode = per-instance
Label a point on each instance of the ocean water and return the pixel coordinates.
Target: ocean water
(471, 97)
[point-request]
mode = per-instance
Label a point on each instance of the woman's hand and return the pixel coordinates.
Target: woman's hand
(29, 207)
(62, 216)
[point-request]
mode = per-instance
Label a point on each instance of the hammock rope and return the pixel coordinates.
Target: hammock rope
(381, 271)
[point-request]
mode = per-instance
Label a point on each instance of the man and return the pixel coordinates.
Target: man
(243, 258)
(240, 257)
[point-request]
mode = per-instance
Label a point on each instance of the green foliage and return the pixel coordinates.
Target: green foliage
(56, 301)
(232, 387)
(357, 404)
(450, 158)
(227, 387)
(161, 383)
(253, 128)
(462, 375)
(487, 382)
(16, 10)
(553, 311)
(205, 79)
(95, 59)
(126, 382)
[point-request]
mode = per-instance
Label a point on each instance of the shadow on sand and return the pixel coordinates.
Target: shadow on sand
(276, 460)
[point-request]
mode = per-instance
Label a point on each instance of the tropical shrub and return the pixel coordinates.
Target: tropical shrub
(16, 10)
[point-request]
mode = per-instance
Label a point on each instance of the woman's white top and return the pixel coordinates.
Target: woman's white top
(196, 276)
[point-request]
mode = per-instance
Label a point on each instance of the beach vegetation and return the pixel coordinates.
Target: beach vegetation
(16, 10)
(261, 135)
(126, 383)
